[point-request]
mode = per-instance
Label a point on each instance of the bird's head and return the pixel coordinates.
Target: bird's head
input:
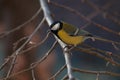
(56, 26)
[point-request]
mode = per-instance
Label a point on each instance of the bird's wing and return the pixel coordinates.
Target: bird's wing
(71, 29)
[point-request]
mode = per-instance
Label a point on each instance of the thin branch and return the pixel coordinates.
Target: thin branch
(96, 72)
(58, 72)
(103, 11)
(92, 72)
(15, 74)
(21, 47)
(97, 11)
(33, 74)
(20, 26)
(15, 54)
(106, 40)
(46, 55)
(35, 64)
(88, 51)
(24, 51)
(92, 15)
(6, 61)
(65, 77)
(115, 46)
(17, 28)
(102, 51)
(85, 18)
(30, 37)
(11, 67)
(18, 41)
(36, 45)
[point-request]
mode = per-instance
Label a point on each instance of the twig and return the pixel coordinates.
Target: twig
(65, 77)
(106, 40)
(101, 51)
(9, 58)
(58, 72)
(15, 54)
(20, 26)
(33, 74)
(96, 72)
(8, 32)
(97, 11)
(88, 51)
(46, 55)
(21, 47)
(36, 45)
(85, 18)
(6, 61)
(15, 74)
(29, 38)
(11, 66)
(103, 11)
(93, 72)
(35, 64)
(115, 46)
(18, 41)
(92, 15)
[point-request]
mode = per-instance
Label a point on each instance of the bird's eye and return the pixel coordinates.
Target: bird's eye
(56, 26)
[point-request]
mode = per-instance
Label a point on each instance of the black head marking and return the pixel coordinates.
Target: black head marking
(56, 26)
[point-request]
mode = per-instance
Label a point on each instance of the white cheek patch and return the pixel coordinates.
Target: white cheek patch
(56, 26)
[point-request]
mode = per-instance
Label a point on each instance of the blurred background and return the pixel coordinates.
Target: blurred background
(85, 14)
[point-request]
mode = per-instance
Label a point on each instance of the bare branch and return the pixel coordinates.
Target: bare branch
(88, 51)
(58, 72)
(102, 51)
(103, 11)
(85, 18)
(35, 64)
(18, 41)
(28, 49)
(11, 66)
(15, 54)
(20, 26)
(96, 72)
(33, 74)
(6, 61)
(106, 40)
(36, 45)
(29, 38)
(46, 11)
(46, 55)
(68, 63)
(49, 19)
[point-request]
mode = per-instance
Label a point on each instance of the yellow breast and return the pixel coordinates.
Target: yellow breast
(71, 40)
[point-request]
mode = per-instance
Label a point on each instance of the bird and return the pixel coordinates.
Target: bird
(65, 32)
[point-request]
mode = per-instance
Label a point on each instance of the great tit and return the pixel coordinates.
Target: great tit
(65, 32)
